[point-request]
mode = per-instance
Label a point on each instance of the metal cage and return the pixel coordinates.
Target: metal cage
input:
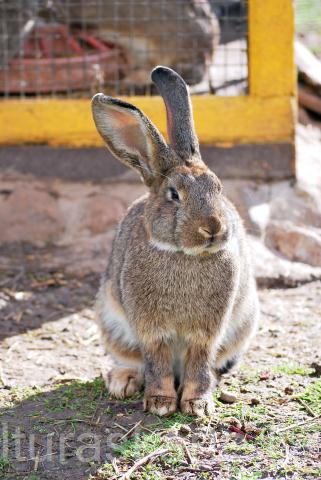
(72, 48)
(243, 80)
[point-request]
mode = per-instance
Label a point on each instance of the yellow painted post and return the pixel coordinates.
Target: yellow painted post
(271, 55)
(265, 116)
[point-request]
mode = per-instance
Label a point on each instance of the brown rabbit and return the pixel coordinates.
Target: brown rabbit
(178, 300)
(181, 34)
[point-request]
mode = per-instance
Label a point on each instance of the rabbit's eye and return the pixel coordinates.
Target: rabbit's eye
(173, 194)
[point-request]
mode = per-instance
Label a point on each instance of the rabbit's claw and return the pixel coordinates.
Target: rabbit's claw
(159, 405)
(200, 407)
(122, 382)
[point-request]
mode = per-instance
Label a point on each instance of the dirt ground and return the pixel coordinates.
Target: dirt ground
(58, 422)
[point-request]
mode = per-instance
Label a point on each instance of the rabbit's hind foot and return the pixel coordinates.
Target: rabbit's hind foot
(200, 407)
(160, 396)
(160, 405)
(196, 401)
(123, 382)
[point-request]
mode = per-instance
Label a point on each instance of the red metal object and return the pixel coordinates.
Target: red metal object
(247, 436)
(53, 59)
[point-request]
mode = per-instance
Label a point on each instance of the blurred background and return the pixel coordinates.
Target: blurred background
(254, 72)
(74, 48)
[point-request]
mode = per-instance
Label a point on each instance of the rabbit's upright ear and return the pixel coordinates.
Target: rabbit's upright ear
(131, 137)
(180, 123)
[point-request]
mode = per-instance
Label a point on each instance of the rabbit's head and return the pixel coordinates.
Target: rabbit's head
(186, 210)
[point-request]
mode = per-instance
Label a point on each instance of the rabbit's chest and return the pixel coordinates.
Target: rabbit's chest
(180, 295)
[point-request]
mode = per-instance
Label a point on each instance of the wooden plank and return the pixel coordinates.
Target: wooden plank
(308, 64)
(266, 162)
(308, 99)
(223, 121)
(271, 52)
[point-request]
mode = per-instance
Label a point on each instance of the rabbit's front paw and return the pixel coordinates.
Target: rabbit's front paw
(123, 382)
(201, 407)
(159, 405)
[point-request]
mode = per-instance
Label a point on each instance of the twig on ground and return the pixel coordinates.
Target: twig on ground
(97, 422)
(37, 460)
(143, 461)
(188, 454)
(287, 455)
(147, 429)
(11, 349)
(91, 339)
(294, 425)
(307, 408)
(97, 406)
(3, 379)
(38, 347)
(121, 427)
(52, 454)
(14, 280)
(272, 414)
(215, 438)
(115, 466)
(54, 421)
(131, 430)
(196, 470)
(208, 428)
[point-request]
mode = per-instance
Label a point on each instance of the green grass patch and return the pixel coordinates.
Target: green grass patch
(152, 472)
(244, 448)
(66, 395)
(105, 472)
(307, 15)
(139, 446)
(143, 444)
(311, 396)
(175, 420)
(307, 21)
(4, 464)
(292, 369)
(77, 402)
(243, 412)
(241, 474)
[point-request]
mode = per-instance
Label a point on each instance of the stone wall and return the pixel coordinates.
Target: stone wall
(80, 217)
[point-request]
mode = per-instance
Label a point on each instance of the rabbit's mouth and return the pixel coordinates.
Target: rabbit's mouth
(212, 246)
(216, 244)
(209, 248)
(217, 241)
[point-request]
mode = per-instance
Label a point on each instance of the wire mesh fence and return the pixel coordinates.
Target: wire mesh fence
(74, 48)
(308, 23)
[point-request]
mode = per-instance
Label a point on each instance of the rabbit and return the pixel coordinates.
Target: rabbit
(178, 304)
(189, 29)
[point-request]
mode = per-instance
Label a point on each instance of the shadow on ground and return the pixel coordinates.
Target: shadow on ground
(32, 294)
(64, 431)
(75, 431)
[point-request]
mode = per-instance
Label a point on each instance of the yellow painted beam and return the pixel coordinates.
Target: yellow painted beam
(265, 116)
(219, 120)
(271, 56)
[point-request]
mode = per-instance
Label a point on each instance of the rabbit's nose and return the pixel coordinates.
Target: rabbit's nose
(209, 231)
(205, 231)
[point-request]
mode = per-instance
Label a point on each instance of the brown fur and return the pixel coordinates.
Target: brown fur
(178, 295)
(123, 382)
(143, 37)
